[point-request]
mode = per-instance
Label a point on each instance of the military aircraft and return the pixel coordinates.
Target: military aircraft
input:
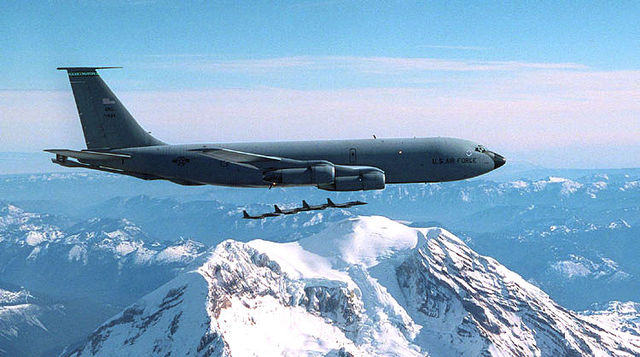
(285, 211)
(331, 204)
(307, 207)
(117, 143)
(246, 215)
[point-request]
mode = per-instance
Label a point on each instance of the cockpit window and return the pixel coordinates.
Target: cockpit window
(480, 148)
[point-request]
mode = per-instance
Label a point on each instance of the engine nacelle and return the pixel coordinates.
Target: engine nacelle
(356, 179)
(313, 175)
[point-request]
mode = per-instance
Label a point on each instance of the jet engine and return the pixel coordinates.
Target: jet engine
(356, 179)
(313, 175)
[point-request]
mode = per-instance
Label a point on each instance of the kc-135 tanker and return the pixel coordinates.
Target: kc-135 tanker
(116, 143)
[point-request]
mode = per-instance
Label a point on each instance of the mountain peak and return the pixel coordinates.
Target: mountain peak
(363, 240)
(365, 285)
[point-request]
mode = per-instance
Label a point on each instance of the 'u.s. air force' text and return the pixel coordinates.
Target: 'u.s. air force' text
(454, 160)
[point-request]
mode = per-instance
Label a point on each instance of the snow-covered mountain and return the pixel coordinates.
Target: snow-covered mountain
(211, 221)
(363, 286)
(78, 274)
(622, 316)
(128, 261)
(30, 323)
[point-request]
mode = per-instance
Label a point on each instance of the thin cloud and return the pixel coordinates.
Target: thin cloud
(433, 64)
(177, 55)
(315, 4)
(362, 64)
(461, 48)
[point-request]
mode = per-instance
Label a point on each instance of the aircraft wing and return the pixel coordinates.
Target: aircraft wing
(88, 155)
(254, 161)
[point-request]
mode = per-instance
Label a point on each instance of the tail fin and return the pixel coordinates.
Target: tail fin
(330, 203)
(305, 204)
(245, 214)
(277, 209)
(106, 123)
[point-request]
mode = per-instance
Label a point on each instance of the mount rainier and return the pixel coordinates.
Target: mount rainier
(362, 286)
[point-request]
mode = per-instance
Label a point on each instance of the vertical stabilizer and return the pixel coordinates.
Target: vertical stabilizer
(106, 123)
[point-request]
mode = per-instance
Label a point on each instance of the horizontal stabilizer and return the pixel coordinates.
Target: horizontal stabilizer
(82, 69)
(71, 163)
(88, 155)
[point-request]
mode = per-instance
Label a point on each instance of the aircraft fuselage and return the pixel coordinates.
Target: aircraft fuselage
(402, 160)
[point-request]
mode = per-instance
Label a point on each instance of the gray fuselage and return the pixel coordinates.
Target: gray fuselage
(402, 160)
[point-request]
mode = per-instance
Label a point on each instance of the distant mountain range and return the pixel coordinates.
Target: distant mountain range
(75, 275)
(88, 245)
(574, 237)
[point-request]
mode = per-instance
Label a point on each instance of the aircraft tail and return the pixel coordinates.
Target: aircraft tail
(305, 204)
(245, 214)
(330, 203)
(106, 123)
(277, 209)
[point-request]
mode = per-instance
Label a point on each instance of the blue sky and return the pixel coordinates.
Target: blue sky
(520, 77)
(45, 34)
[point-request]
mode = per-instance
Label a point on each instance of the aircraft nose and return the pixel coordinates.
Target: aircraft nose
(498, 160)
